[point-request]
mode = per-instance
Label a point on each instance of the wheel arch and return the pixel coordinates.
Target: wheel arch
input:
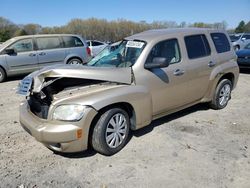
(123, 105)
(67, 59)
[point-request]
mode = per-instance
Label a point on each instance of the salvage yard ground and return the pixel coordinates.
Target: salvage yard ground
(197, 147)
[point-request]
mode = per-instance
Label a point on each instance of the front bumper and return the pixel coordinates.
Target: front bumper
(58, 135)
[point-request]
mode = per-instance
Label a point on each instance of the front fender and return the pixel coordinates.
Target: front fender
(137, 96)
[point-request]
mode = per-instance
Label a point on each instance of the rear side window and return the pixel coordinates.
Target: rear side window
(197, 46)
(221, 42)
(45, 43)
(95, 43)
(71, 41)
(246, 36)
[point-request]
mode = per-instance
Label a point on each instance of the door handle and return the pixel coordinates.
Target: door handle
(179, 72)
(211, 64)
(32, 54)
(42, 53)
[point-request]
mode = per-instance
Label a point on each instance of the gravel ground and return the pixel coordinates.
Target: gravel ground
(197, 147)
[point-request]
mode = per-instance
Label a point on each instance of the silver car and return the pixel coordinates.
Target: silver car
(240, 40)
(96, 46)
(21, 55)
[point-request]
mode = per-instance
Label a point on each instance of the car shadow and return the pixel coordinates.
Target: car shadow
(83, 154)
(169, 118)
(245, 70)
(14, 78)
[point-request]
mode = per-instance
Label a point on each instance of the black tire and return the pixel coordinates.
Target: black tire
(74, 61)
(102, 129)
(223, 89)
(237, 47)
(2, 75)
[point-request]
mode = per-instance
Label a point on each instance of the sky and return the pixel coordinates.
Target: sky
(60, 12)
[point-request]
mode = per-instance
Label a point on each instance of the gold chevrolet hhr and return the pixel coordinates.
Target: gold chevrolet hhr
(149, 75)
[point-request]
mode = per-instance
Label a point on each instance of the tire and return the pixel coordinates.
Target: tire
(236, 48)
(110, 135)
(2, 75)
(74, 61)
(222, 95)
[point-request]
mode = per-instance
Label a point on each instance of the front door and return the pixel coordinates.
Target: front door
(168, 85)
(25, 58)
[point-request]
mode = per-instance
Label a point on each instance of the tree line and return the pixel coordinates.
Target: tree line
(101, 29)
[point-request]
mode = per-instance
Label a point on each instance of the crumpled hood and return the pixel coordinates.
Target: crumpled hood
(113, 74)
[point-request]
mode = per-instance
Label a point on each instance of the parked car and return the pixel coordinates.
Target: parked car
(21, 55)
(240, 40)
(243, 59)
(150, 75)
(96, 46)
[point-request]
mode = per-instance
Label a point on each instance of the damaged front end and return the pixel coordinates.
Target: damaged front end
(41, 87)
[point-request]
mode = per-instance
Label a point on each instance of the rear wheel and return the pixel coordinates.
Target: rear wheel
(2, 75)
(237, 47)
(111, 131)
(222, 94)
(74, 61)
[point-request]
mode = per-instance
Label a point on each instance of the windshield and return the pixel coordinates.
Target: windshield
(6, 43)
(234, 37)
(247, 46)
(125, 55)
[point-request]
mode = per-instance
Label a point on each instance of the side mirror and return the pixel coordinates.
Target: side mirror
(158, 62)
(10, 51)
(243, 39)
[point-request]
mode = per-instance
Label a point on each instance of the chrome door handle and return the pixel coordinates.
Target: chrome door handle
(42, 53)
(179, 72)
(211, 64)
(32, 54)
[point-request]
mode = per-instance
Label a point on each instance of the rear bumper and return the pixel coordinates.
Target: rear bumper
(58, 135)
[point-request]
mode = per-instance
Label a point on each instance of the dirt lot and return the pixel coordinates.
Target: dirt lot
(197, 147)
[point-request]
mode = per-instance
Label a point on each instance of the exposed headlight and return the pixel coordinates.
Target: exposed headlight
(69, 112)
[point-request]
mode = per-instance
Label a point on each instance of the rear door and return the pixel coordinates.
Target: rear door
(25, 59)
(200, 63)
(50, 51)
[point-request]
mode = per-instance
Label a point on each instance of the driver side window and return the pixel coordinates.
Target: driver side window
(168, 49)
(24, 45)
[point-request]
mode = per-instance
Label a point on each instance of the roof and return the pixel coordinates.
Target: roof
(43, 35)
(158, 33)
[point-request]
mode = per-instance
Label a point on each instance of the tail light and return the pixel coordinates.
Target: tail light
(88, 51)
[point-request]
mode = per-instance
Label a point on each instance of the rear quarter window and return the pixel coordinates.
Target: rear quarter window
(197, 46)
(71, 41)
(221, 42)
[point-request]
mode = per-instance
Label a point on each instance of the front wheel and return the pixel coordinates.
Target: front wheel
(111, 131)
(222, 94)
(2, 75)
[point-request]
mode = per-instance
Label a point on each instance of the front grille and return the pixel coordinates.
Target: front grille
(25, 86)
